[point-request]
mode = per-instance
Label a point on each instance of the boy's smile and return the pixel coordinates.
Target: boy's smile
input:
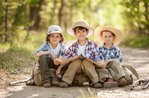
(55, 38)
(81, 34)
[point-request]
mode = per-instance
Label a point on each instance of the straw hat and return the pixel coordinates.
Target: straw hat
(118, 34)
(81, 23)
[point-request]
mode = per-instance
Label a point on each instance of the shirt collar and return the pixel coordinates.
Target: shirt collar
(112, 47)
(87, 41)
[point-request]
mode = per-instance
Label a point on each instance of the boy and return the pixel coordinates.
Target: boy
(49, 51)
(109, 37)
(85, 47)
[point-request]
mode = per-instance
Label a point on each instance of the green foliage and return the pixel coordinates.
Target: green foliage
(142, 41)
(136, 12)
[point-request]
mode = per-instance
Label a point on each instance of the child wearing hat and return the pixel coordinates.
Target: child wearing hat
(109, 37)
(81, 30)
(50, 50)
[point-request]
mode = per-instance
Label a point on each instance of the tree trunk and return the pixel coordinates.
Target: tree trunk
(6, 21)
(147, 18)
(53, 14)
(35, 16)
(60, 12)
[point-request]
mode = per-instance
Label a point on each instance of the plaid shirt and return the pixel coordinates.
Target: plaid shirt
(111, 53)
(46, 47)
(91, 50)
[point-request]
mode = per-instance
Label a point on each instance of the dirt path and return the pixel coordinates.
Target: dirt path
(139, 58)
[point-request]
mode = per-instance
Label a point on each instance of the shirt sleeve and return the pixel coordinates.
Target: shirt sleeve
(118, 55)
(63, 50)
(96, 51)
(42, 48)
(68, 53)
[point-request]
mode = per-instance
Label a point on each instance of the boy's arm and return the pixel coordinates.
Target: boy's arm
(38, 54)
(43, 50)
(118, 55)
(101, 64)
(59, 70)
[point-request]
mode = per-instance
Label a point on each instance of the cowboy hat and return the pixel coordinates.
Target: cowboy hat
(80, 23)
(118, 34)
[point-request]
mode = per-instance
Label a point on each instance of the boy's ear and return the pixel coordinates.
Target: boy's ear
(87, 32)
(74, 33)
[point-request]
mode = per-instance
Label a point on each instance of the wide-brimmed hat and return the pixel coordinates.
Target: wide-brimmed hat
(118, 34)
(55, 29)
(80, 23)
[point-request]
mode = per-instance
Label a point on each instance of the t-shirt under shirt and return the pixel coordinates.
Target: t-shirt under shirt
(81, 49)
(56, 50)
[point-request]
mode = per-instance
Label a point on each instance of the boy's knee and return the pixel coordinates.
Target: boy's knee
(75, 63)
(116, 62)
(42, 58)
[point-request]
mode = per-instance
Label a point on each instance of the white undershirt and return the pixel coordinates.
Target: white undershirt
(56, 50)
(81, 49)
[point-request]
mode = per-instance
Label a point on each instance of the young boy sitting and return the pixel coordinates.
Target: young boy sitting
(109, 37)
(85, 47)
(49, 51)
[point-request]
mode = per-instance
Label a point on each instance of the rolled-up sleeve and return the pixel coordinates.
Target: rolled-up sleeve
(42, 48)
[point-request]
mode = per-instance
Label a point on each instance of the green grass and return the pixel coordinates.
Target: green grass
(136, 41)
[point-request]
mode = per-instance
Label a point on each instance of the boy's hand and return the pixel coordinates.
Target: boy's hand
(53, 55)
(58, 70)
(57, 61)
(103, 65)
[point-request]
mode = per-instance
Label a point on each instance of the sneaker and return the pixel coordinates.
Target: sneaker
(97, 85)
(110, 84)
(63, 84)
(47, 83)
(55, 82)
(122, 82)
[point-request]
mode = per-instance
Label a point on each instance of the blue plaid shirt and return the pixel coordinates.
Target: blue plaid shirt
(46, 47)
(111, 53)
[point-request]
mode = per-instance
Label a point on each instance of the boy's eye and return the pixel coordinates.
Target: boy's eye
(57, 36)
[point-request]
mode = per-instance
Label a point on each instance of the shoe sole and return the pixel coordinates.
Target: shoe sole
(110, 84)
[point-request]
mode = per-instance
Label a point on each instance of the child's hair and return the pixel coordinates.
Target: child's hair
(108, 31)
(79, 28)
(48, 39)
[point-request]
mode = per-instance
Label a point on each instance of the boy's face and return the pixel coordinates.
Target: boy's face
(108, 37)
(55, 38)
(81, 34)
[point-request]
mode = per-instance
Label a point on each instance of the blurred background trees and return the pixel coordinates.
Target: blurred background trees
(131, 16)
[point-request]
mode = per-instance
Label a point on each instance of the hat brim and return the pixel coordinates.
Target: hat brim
(58, 33)
(118, 34)
(70, 30)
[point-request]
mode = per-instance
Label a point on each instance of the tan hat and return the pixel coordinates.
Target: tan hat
(118, 34)
(81, 23)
